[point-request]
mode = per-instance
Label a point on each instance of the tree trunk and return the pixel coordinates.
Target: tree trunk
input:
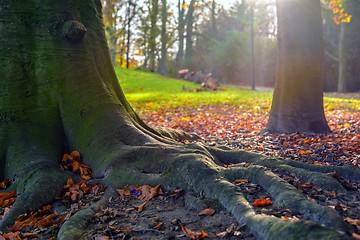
(162, 62)
(59, 92)
(298, 97)
(153, 34)
(189, 50)
(349, 50)
(181, 30)
(128, 35)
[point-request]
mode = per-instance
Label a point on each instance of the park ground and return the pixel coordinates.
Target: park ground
(231, 117)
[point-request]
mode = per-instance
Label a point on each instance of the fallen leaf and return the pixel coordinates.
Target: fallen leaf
(11, 236)
(355, 222)
(140, 208)
(102, 238)
(159, 226)
(47, 220)
(5, 184)
(355, 236)
(65, 216)
(176, 192)
(262, 202)
(124, 192)
(191, 234)
(7, 198)
(148, 192)
(241, 181)
(207, 212)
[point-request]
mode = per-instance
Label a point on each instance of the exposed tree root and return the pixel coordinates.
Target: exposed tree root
(202, 169)
(75, 227)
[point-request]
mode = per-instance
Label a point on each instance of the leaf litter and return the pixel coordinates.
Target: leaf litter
(146, 212)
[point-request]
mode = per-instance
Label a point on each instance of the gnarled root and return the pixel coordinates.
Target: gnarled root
(206, 170)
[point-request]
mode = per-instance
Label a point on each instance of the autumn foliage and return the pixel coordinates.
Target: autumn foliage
(73, 163)
(340, 16)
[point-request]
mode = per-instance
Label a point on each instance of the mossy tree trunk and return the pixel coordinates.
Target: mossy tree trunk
(298, 97)
(59, 92)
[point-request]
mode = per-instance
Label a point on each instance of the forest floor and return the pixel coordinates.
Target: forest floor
(174, 213)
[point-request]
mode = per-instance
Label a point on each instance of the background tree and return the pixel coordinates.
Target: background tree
(349, 49)
(181, 32)
(61, 93)
(164, 39)
(189, 50)
(154, 32)
(297, 104)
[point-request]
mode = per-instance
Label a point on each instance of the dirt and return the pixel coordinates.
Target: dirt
(160, 217)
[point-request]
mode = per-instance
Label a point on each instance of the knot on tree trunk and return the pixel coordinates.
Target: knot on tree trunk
(73, 30)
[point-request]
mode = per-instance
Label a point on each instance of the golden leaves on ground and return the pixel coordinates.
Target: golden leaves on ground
(73, 163)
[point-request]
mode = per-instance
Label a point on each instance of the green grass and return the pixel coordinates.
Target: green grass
(153, 91)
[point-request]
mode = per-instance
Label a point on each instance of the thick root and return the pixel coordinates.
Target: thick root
(203, 170)
(35, 189)
(75, 226)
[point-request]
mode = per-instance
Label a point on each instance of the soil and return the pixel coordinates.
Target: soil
(160, 217)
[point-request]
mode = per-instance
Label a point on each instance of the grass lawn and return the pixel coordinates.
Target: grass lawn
(146, 90)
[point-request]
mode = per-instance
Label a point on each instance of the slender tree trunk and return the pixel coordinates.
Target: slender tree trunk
(189, 51)
(128, 35)
(252, 53)
(349, 50)
(153, 34)
(164, 14)
(298, 98)
(181, 32)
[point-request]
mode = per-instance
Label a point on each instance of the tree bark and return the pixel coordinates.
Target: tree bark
(162, 61)
(349, 50)
(153, 34)
(181, 31)
(298, 97)
(189, 50)
(59, 92)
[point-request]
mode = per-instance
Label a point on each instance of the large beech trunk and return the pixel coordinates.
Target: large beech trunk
(298, 97)
(59, 92)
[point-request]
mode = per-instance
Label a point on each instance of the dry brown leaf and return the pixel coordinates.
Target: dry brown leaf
(140, 208)
(159, 226)
(207, 212)
(47, 220)
(355, 222)
(124, 192)
(5, 184)
(65, 216)
(241, 181)
(355, 236)
(7, 198)
(191, 234)
(148, 192)
(11, 236)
